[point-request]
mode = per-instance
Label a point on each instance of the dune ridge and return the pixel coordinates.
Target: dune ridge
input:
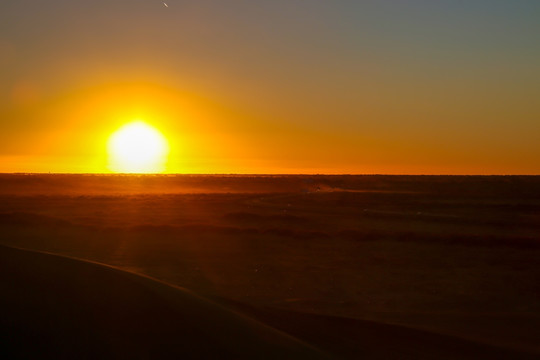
(61, 307)
(64, 307)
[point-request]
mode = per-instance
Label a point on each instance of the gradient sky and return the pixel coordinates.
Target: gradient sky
(260, 86)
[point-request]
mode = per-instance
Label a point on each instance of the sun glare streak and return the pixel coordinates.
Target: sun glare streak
(137, 148)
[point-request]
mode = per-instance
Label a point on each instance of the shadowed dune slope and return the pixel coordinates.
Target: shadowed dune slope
(57, 307)
(347, 338)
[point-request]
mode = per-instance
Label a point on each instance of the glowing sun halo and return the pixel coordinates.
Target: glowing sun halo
(137, 148)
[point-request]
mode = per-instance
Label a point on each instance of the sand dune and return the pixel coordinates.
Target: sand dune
(346, 338)
(60, 307)
(57, 307)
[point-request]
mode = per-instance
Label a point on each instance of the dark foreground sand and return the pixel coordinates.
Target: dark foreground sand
(59, 307)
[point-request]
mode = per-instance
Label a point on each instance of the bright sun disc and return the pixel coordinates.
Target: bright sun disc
(138, 148)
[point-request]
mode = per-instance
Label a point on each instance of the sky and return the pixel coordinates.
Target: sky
(259, 86)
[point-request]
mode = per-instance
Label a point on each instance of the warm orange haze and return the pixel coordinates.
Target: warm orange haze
(274, 87)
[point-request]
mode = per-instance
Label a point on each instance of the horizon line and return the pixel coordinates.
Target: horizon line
(255, 174)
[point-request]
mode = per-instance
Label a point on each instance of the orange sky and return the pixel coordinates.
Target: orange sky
(254, 87)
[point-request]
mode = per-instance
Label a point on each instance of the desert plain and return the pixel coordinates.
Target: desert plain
(304, 266)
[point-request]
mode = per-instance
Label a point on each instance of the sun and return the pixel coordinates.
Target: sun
(137, 148)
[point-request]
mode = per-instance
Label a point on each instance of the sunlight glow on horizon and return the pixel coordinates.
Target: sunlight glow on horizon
(337, 88)
(137, 148)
